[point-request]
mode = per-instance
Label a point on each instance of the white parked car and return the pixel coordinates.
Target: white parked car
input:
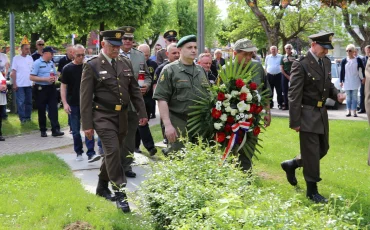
(335, 79)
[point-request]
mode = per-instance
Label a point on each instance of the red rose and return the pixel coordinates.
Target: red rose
(220, 137)
(253, 108)
(239, 83)
(216, 114)
(250, 120)
(227, 128)
(243, 96)
(256, 131)
(259, 109)
(221, 96)
(253, 86)
(230, 119)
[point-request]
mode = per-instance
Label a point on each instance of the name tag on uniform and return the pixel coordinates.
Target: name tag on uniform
(103, 72)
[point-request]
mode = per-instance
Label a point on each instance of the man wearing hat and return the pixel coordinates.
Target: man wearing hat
(107, 86)
(138, 64)
(179, 83)
(169, 37)
(310, 86)
(43, 73)
(244, 50)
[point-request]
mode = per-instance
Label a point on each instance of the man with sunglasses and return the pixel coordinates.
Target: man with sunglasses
(170, 37)
(138, 64)
(285, 67)
(70, 93)
(107, 87)
(39, 46)
(310, 86)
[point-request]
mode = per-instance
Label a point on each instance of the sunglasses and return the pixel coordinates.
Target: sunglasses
(42, 44)
(80, 55)
(125, 38)
(349, 51)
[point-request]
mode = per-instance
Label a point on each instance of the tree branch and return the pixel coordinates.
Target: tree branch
(349, 28)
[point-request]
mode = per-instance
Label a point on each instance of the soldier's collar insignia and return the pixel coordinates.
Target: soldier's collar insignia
(118, 35)
(102, 61)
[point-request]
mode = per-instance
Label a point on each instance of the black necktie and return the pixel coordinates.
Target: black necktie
(114, 65)
(321, 63)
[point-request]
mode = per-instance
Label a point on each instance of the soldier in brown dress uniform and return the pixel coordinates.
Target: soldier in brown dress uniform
(170, 37)
(310, 86)
(107, 86)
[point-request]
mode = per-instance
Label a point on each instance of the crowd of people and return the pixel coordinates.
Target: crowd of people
(114, 95)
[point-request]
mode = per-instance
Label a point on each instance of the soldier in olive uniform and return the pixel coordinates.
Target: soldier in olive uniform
(178, 85)
(285, 67)
(310, 86)
(107, 86)
(170, 37)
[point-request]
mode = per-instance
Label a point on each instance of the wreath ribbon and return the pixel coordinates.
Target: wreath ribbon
(243, 125)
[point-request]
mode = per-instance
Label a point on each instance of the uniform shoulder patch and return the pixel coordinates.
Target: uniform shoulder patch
(92, 58)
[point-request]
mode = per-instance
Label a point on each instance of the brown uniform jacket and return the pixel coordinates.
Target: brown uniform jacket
(113, 88)
(309, 84)
(161, 56)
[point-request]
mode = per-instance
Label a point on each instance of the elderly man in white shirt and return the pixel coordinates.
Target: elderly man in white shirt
(22, 85)
(272, 67)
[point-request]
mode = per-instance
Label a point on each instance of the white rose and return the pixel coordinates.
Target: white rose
(250, 116)
(219, 103)
(223, 117)
(244, 89)
(218, 107)
(228, 96)
(234, 93)
(226, 103)
(259, 97)
(233, 112)
(228, 109)
(217, 126)
(249, 96)
(241, 106)
(247, 107)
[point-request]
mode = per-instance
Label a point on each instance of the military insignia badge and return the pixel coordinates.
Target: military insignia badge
(102, 61)
(128, 29)
(330, 38)
(118, 35)
(171, 33)
(162, 77)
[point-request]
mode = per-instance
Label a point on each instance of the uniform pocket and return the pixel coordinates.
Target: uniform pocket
(183, 89)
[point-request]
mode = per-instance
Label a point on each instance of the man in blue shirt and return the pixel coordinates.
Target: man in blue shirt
(272, 66)
(44, 75)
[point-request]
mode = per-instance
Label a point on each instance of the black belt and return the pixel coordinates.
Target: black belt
(274, 74)
(109, 106)
(314, 103)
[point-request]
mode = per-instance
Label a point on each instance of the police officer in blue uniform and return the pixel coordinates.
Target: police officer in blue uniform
(44, 75)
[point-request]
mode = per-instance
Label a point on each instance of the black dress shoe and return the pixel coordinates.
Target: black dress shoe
(317, 198)
(2, 138)
(44, 134)
(130, 174)
(289, 167)
(57, 133)
(165, 141)
(285, 108)
(153, 151)
(355, 115)
(121, 202)
(103, 191)
(348, 115)
(361, 111)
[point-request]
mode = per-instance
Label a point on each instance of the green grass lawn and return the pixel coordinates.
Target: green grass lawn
(12, 126)
(344, 170)
(39, 191)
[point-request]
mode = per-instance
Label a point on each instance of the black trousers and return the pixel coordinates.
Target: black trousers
(46, 95)
(1, 119)
(285, 88)
(143, 134)
(275, 83)
(362, 97)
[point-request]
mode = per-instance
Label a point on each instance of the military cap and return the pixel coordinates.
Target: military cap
(48, 49)
(186, 39)
(245, 45)
(323, 39)
(171, 34)
(114, 37)
(129, 31)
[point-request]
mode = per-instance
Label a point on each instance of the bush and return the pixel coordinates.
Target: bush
(192, 191)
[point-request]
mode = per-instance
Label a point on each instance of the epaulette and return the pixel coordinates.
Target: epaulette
(137, 50)
(92, 58)
(121, 55)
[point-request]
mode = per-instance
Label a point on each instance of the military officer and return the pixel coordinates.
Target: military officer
(107, 86)
(138, 64)
(170, 37)
(178, 85)
(310, 86)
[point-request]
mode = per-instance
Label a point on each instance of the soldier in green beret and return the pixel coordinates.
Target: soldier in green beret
(179, 83)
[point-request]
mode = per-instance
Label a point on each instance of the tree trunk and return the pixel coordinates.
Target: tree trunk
(83, 40)
(101, 28)
(34, 38)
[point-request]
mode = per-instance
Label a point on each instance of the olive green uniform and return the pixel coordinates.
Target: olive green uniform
(310, 86)
(178, 85)
(105, 95)
(137, 59)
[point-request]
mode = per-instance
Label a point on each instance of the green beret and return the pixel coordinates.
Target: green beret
(186, 39)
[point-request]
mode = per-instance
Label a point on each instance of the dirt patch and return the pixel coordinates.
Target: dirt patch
(79, 225)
